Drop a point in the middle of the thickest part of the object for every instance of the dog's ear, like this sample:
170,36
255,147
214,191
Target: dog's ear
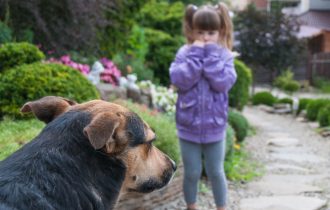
100,131
48,108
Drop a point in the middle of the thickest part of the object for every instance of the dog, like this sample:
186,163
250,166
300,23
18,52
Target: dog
86,156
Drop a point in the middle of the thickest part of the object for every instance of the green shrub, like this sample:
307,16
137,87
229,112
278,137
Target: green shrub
239,123
324,115
161,15
230,139
239,94
263,98
33,81
286,82
162,50
285,101
15,54
163,126
314,107
303,103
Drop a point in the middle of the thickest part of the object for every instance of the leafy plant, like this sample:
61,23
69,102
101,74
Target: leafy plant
268,39
239,166
33,81
323,116
239,94
15,54
286,82
314,107
239,124
263,98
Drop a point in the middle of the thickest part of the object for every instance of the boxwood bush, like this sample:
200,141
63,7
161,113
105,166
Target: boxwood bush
324,115
230,139
15,54
239,94
163,126
314,107
263,97
33,81
303,103
239,123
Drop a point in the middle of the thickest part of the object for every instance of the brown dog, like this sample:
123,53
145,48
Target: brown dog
83,159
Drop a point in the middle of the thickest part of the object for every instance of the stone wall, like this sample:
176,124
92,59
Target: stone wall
135,201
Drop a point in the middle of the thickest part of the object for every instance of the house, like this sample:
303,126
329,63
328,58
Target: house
314,17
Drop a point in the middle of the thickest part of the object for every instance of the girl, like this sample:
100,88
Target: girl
203,71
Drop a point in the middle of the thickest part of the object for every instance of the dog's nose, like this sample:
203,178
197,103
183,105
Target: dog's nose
173,165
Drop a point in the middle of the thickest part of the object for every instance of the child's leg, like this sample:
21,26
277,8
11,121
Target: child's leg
191,157
214,155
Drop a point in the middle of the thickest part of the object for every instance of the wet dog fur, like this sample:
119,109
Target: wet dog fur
85,157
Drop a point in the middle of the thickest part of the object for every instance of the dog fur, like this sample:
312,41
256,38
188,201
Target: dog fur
85,157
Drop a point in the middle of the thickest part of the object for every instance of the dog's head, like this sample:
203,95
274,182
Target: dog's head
118,132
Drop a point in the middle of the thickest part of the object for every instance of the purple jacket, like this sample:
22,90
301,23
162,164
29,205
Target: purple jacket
203,77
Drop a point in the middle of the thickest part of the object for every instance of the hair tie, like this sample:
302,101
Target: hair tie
194,7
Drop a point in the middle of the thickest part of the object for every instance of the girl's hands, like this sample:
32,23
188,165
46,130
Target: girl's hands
199,43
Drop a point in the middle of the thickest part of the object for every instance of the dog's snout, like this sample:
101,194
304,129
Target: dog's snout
173,165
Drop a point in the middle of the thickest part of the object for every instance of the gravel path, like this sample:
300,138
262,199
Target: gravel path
310,157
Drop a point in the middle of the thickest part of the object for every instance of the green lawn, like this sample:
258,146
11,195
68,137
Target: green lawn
14,134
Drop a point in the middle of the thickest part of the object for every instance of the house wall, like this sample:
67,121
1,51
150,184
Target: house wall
326,46
319,4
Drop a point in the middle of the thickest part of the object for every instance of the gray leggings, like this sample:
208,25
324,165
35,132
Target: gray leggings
214,154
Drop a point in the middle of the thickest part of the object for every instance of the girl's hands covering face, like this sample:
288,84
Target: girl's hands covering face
206,37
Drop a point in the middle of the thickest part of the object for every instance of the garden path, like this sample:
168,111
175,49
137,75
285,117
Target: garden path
296,160
296,172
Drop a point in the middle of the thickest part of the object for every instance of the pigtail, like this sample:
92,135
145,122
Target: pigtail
226,30
188,22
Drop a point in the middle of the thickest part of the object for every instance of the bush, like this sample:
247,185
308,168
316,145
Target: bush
285,101
324,115
314,107
239,123
303,103
263,98
163,126
286,82
230,139
15,54
32,81
239,94
163,16
162,50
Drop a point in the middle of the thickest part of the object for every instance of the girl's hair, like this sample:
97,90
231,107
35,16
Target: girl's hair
209,17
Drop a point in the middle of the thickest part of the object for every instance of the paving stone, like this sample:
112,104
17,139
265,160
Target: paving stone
302,179
299,158
289,149
287,167
278,134
283,141
283,188
282,203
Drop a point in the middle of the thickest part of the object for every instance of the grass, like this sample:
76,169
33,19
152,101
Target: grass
239,166
14,134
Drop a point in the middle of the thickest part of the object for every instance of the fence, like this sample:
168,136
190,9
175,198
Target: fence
319,66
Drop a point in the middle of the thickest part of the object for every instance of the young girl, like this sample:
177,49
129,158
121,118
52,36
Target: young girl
203,71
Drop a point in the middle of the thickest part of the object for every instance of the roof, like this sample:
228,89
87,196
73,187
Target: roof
308,32
319,19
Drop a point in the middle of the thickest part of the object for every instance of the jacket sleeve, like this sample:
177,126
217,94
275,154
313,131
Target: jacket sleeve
219,68
186,69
